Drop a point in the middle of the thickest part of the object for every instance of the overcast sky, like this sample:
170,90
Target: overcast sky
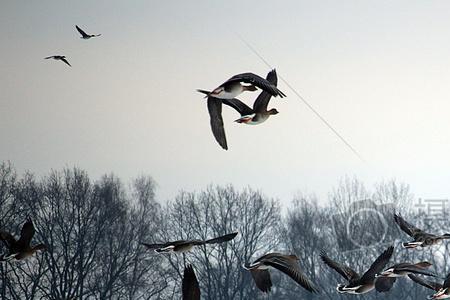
379,71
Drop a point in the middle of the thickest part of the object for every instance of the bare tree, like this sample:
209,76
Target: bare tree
215,212
7,219
94,231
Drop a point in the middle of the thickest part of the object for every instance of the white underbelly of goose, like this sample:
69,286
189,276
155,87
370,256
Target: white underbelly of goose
248,119
221,93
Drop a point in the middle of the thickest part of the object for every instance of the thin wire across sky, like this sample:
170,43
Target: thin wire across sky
349,146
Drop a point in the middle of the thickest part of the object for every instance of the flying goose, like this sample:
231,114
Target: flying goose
259,112
84,35
58,57
358,284
253,116
234,87
21,248
386,279
190,287
287,264
421,238
184,246
442,290
403,269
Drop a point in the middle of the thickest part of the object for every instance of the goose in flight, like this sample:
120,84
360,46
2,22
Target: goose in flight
358,284
21,248
233,87
84,35
287,264
249,116
420,237
386,279
59,57
184,246
259,112
190,288
442,290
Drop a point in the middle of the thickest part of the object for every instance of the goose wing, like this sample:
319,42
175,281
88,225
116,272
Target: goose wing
221,239
406,227
84,34
65,60
345,271
377,266
238,105
447,282
190,287
426,283
216,121
27,233
262,279
256,81
415,269
289,266
263,99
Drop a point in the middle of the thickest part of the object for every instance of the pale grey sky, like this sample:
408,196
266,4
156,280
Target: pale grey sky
379,71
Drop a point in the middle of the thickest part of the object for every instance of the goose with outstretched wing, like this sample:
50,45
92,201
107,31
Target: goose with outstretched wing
20,248
234,86
288,264
386,279
84,35
442,290
358,284
420,237
181,246
59,57
259,113
250,116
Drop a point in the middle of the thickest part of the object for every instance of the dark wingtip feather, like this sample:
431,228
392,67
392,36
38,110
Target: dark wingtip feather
144,244
323,254
232,235
203,92
388,252
398,217
272,77
190,287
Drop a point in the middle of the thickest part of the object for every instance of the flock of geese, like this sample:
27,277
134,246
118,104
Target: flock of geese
225,94
84,36
376,277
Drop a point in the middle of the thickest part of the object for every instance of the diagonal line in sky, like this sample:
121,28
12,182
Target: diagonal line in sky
304,101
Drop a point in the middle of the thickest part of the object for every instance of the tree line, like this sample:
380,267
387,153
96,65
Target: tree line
93,230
